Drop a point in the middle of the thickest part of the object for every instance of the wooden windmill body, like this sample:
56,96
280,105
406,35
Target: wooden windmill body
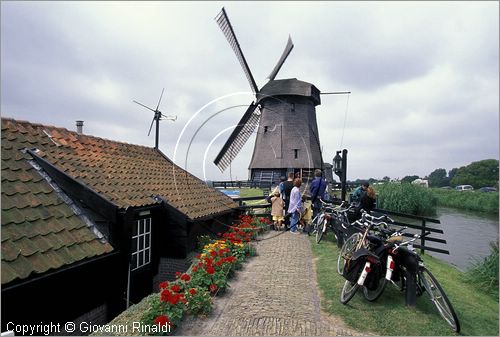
284,114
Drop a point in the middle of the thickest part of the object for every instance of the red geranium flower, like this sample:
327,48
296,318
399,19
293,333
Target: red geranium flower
213,288
192,291
185,277
163,285
175,288
194,269
178,273
165,295
213,253
162,320
210,270
174,299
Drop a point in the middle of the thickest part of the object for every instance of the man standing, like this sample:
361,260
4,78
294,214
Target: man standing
317,189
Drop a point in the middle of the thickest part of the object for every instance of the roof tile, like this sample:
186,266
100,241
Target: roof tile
37,226
10,251
8,274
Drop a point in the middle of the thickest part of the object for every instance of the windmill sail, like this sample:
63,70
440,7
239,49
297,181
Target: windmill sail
238,138
227,29
286,52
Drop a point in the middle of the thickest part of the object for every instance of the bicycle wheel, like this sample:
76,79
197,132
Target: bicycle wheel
348,291
346,251
314,224
373,295
439,298
321,229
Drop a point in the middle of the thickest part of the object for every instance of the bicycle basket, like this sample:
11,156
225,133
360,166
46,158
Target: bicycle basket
373,277
352,269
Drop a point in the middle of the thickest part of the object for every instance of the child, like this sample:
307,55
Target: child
277,210
306,216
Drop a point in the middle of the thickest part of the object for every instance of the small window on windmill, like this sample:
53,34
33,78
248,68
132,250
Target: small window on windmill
296,153
293,107
265,129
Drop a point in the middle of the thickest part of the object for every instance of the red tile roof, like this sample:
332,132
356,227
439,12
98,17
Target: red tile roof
125,174
40,232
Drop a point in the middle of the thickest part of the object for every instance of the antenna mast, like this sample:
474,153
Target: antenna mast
157,116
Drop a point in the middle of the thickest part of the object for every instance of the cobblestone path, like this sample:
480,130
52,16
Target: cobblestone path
275,293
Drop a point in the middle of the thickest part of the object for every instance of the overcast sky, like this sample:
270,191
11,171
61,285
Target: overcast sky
424,76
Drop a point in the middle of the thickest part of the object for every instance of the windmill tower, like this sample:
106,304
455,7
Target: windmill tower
284,112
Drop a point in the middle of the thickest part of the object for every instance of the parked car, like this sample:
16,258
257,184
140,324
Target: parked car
487,189
464,188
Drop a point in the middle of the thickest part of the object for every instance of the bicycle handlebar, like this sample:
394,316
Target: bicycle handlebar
415,237
372,218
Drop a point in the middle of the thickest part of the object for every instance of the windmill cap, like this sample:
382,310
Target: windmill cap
289,87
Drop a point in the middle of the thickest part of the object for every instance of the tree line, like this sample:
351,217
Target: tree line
478,174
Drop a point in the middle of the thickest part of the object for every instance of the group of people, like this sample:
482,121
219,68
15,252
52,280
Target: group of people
288,203
289,207
364,197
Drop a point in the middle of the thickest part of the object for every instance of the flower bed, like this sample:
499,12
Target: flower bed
193,292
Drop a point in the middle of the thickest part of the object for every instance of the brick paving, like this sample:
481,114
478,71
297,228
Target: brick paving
274,294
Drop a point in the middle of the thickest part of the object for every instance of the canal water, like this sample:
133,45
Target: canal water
467,234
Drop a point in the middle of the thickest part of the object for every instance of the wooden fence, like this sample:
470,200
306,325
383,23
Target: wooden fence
423,227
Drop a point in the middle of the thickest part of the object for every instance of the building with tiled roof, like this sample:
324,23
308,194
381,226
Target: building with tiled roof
94,212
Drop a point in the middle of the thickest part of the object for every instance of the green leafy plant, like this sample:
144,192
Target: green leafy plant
406,198
484,274
199,301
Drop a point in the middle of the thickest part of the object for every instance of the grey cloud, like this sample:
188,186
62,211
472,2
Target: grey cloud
414,69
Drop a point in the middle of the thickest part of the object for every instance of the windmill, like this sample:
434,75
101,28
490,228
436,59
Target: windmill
157,117
287,139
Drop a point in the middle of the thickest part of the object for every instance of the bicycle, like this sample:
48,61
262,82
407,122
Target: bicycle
349,245
393,261
358,264
325,215
416,283
318,220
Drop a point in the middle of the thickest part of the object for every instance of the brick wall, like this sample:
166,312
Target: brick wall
167,269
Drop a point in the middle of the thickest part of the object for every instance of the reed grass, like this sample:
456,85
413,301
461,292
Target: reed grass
484,274
406,198
469,200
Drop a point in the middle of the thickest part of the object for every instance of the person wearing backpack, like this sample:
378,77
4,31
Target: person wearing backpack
317,189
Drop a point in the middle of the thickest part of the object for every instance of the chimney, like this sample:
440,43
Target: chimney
79,127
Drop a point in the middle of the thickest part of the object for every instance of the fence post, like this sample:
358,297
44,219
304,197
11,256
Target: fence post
422,238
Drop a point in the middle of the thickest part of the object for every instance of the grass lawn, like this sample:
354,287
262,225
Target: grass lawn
476,311
251,192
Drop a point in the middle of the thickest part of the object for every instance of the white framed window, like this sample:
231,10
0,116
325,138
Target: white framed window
141,243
